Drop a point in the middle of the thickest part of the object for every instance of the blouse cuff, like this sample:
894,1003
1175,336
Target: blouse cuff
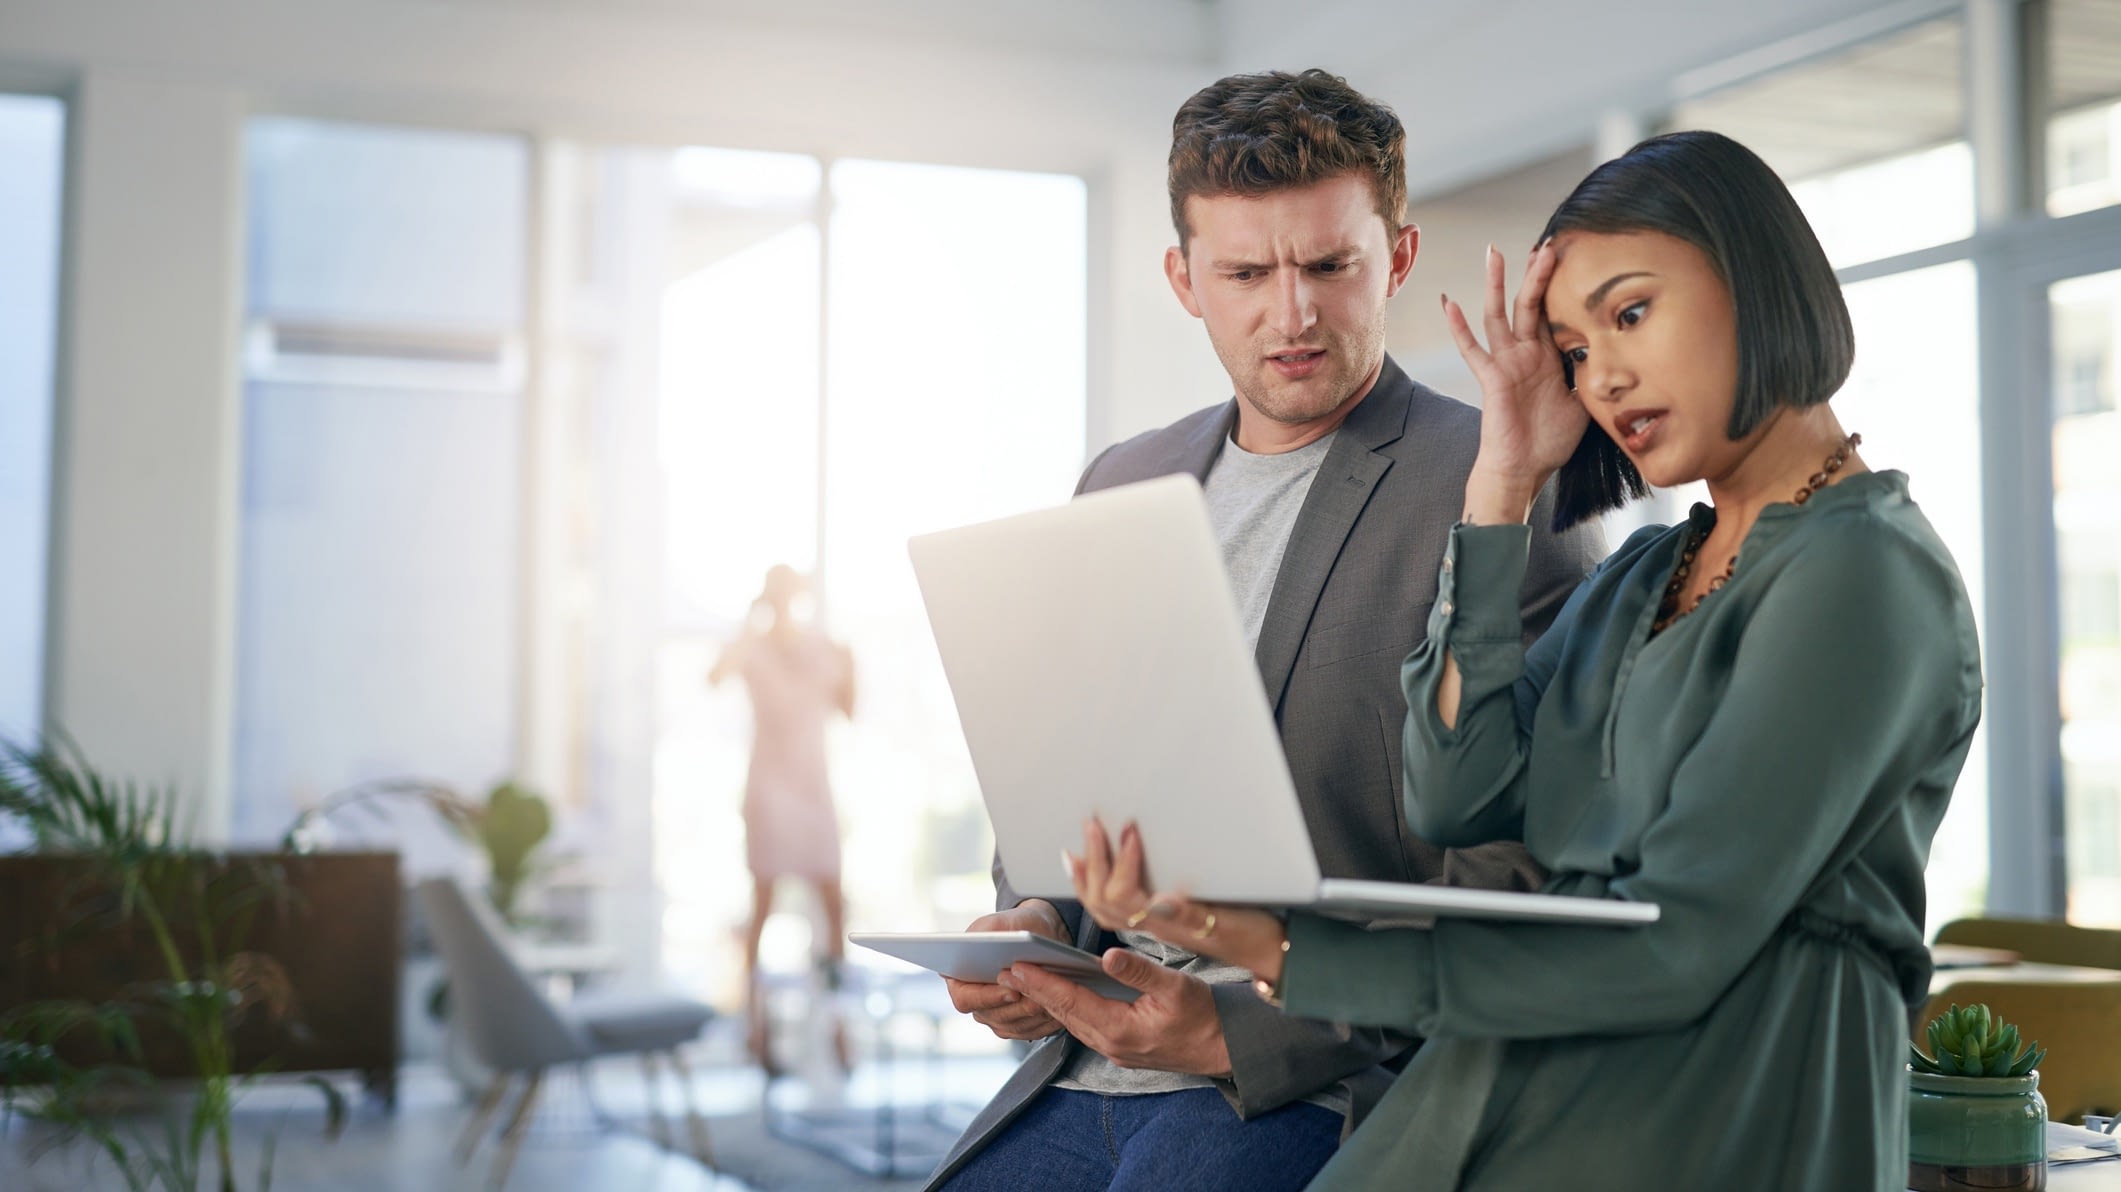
1478,590
1340,971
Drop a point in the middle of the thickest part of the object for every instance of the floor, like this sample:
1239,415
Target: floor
567,1148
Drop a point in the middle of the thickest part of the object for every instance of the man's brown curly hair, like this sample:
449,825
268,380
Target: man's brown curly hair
1252,134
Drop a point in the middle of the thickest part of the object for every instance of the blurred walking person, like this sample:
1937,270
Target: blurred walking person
797,678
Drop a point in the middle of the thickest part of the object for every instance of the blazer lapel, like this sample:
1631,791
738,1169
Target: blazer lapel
1345,480
1198,453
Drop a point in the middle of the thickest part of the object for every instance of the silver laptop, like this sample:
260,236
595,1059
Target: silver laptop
1099,668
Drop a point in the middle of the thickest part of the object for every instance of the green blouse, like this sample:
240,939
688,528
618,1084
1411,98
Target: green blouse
1769,770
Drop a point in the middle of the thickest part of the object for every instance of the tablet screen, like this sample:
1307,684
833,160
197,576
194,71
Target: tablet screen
982,955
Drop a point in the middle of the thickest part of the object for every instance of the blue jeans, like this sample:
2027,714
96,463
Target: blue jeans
1161,1142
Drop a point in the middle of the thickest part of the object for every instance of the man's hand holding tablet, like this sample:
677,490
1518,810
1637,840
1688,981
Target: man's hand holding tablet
1004,1011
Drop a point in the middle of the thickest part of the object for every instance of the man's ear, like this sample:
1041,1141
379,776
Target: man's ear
1405,246
1181,279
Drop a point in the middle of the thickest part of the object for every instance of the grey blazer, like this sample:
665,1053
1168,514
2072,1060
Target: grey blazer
1350,603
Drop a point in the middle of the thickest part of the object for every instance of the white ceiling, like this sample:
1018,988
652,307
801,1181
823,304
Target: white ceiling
1484,86
1173,31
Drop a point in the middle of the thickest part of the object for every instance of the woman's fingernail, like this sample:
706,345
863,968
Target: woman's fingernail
1162,910
1068,864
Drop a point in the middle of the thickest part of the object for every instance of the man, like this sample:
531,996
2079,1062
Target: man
1333,482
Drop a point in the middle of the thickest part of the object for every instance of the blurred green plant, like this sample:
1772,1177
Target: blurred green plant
515,822
142,873
508,826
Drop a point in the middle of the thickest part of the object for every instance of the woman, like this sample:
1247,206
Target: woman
797,678
1753,719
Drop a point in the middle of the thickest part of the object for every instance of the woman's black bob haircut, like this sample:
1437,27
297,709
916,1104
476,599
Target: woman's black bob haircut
1795,343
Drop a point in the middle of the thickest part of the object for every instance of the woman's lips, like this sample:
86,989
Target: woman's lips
1638,432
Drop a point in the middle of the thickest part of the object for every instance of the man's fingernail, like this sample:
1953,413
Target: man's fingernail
1007,980
1068,864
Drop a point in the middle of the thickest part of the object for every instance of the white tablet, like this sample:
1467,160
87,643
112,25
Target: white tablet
982,955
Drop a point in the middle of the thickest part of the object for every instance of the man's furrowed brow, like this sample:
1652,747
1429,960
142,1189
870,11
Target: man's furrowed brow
1345,252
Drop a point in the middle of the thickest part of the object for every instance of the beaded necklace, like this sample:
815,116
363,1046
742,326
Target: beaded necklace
1669,611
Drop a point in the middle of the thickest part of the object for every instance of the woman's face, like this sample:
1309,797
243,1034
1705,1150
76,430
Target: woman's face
1651,333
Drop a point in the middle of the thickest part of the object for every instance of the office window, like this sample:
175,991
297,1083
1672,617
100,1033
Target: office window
955,394
1913,397
735,307
1899,179
2086,322
768,383
2083,105
383,373
32,134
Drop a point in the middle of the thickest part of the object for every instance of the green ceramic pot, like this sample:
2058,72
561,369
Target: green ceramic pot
1976,1132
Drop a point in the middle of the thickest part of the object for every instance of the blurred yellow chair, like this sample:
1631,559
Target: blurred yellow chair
2040,941
2079,1024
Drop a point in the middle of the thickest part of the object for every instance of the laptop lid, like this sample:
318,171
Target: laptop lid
1099,668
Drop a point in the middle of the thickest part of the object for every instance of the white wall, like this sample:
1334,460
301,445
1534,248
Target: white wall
143,549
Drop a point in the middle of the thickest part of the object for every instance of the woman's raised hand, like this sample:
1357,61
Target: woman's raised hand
1530,421
1110,883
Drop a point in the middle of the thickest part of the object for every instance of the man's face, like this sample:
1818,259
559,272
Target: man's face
1292,286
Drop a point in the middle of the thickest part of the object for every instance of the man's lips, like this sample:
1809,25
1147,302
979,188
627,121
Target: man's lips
1298,363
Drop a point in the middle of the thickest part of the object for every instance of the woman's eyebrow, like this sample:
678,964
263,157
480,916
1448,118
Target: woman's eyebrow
1598,295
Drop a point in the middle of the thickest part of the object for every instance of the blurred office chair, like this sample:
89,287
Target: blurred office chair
2078,1023
513,1028
2041,941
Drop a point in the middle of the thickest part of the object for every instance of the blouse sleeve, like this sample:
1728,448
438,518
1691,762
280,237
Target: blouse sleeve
1857,679
1465,784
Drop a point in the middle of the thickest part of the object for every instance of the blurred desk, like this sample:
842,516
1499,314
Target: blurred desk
574,963
1952,956
1942,980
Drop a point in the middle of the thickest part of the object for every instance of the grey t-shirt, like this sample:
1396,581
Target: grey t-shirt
1253,501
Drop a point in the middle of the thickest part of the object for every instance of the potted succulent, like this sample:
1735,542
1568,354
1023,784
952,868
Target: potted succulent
1975,1115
